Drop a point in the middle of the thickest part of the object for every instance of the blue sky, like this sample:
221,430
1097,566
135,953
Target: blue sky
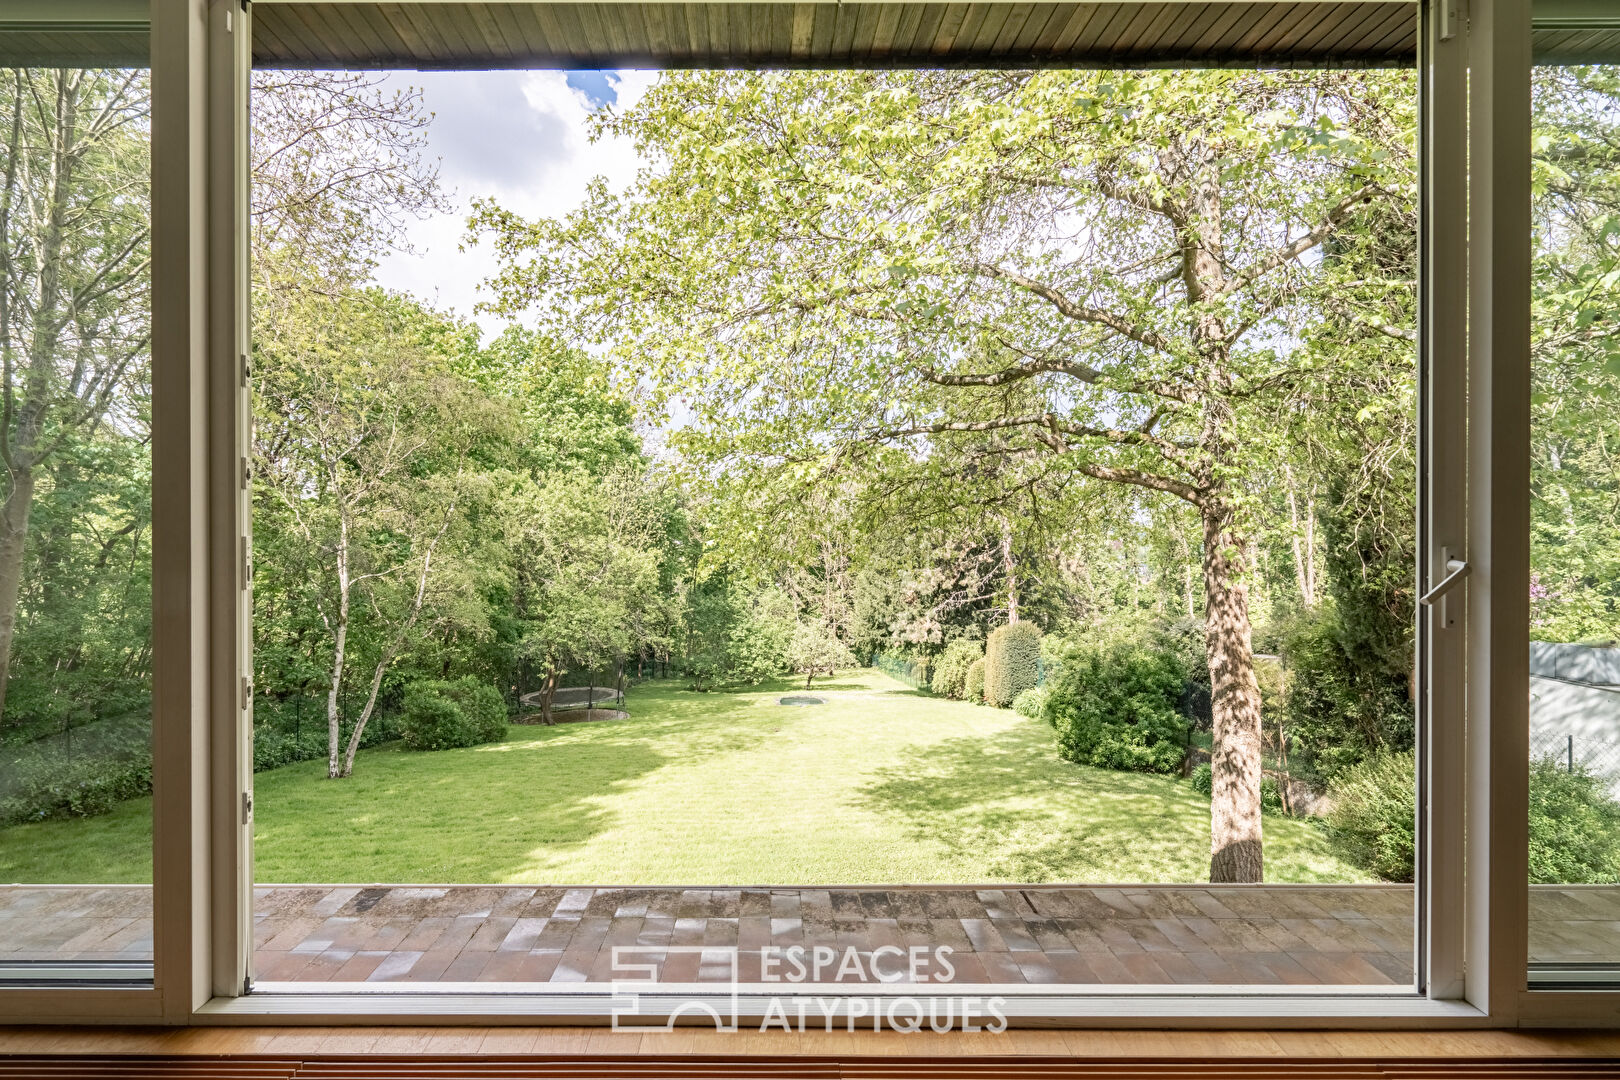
600,88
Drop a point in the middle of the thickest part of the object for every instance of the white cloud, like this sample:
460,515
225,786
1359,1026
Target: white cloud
518,137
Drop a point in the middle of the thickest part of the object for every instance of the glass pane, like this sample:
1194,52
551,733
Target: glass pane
1575,522
75,526
637,578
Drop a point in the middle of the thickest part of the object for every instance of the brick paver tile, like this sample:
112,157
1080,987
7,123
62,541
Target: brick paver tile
490,933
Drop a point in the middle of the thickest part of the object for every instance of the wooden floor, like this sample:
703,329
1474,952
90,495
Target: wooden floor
563,1052
1162,935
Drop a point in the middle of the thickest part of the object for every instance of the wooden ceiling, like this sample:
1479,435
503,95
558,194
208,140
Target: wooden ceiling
295,33
819,33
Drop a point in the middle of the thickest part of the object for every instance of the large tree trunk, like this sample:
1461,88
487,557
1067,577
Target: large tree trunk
1235,839
13,537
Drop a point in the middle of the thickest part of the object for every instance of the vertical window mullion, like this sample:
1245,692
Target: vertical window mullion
1442,496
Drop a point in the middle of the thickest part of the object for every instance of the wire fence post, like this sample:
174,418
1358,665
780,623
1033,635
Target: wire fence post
1569,751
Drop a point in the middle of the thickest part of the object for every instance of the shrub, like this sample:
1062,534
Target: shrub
1574,821
1030,702
950,673
293,729
1012,662
1271,800
1203,779
483,706
1574,826
442,715
43,786
1117,709
1373,819
1340,709
973,683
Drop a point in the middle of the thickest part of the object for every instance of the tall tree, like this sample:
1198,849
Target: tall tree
1104,268
364,439
1575,436
73,279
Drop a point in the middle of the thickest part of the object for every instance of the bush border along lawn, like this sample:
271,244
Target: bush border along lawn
881,785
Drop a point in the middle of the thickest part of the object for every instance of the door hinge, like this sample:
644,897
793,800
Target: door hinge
247,807
1453,18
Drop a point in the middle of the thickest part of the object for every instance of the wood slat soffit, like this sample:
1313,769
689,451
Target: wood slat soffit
300,33
783,33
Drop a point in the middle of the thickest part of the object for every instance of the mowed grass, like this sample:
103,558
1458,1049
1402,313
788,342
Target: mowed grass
881,785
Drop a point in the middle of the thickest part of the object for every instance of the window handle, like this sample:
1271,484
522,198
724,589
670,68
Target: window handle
1456,570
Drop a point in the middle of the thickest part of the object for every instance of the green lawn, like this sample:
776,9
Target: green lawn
881,785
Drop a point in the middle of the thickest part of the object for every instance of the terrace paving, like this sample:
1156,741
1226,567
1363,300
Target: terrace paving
1297,935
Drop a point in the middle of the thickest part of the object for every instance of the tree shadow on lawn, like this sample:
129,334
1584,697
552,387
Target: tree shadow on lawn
771,687
1046,820
478,815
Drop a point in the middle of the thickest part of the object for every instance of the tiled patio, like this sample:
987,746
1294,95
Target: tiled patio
997,935
1128,934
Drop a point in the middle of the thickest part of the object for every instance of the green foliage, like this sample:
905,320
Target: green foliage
1574,826
1012,662
815,649
1116,708
439,715
911,670
1373,817
762,641
106,764
1575,369
1341,705
1574,821
973,683
1030,703
1203,779
951,669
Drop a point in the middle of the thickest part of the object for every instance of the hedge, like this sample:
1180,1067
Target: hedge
1012,662
950,673
973,684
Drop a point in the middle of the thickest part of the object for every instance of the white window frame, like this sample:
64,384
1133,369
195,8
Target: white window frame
1472,900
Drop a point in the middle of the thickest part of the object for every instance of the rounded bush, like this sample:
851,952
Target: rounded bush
482,705
1012,662
1030,702
441,715
1119,709
950,673
973,683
